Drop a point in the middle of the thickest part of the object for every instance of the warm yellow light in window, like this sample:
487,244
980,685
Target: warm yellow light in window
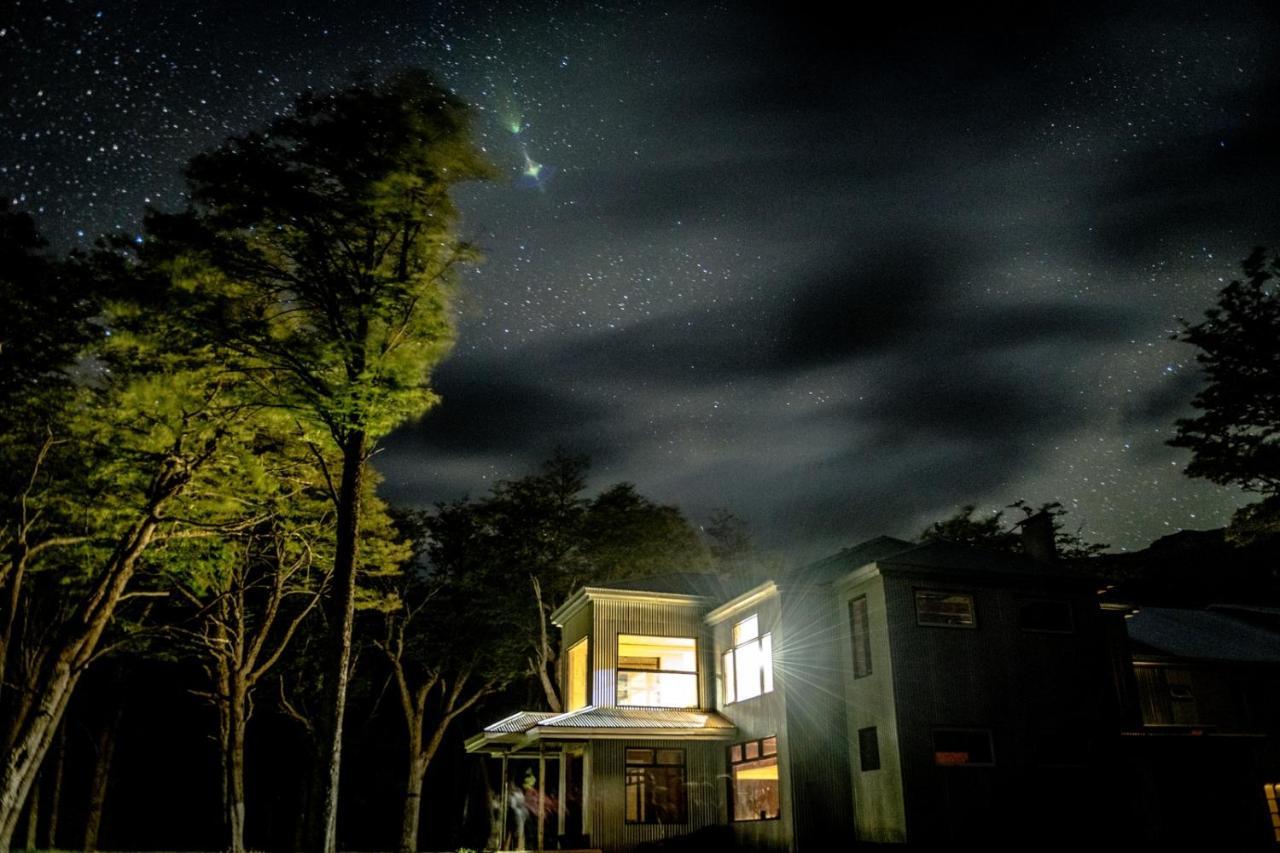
576,669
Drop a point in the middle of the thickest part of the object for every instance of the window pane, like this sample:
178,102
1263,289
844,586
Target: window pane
769,746
639,756
766,661
944,608
670,654
861,637
748,670
869,749
730,694
752,750
747,629
576,667
656,793
658,689
755,789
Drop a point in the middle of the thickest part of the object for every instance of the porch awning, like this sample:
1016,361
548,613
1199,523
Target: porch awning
521,730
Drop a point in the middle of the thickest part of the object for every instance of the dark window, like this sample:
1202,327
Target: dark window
1053,617
753,779
943,608
861,637
655,786
962,747
869,748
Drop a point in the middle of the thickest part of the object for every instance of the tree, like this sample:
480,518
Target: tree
324,251
536,539
1235,438
965,528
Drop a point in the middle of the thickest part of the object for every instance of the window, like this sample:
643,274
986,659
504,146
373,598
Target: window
869,749
659,672
861,637
753,779
944,609
576,671
962,748
655,786
1049,617
748,666
1272,793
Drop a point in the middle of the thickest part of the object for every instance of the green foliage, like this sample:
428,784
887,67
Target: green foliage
323,251
1235,438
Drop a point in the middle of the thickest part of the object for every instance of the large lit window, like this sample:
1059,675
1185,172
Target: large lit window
657,672
748,666
944,609
753,768
576,676
655,786
1272,793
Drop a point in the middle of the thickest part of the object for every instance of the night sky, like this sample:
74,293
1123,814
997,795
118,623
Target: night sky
839,278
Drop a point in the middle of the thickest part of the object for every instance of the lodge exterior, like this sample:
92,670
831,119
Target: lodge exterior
893,693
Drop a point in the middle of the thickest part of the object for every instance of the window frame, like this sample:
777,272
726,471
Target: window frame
628,765
860,627
586,675
730,763
971,625
729,661
865,734
974,730
618,667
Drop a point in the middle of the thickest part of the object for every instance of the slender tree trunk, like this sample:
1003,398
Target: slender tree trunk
62,668
412,799
233,769
341,620
33,814
55,792
106,747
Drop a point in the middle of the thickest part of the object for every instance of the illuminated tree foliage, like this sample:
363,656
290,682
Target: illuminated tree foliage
534,540
1235,437
323,253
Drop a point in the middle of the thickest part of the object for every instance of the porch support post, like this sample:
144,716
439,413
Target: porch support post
542,794
562,790
505,796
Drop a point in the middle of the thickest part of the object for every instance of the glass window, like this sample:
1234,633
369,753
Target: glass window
576,668
869,748
861,637
655,786
946,609
748,666
962,747
659,672
753,768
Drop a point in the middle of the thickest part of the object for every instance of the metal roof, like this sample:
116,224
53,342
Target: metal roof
521,721
592,717
1214,634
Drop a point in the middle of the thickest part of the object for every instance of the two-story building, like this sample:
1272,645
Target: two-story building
892,692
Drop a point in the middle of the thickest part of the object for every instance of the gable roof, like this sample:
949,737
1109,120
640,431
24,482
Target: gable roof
1221,634
842,562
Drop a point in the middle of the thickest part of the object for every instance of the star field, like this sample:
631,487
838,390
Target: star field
839,280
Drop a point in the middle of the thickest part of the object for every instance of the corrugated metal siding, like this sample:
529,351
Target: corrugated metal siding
760,717
704,782
611,618
878,798
995,676
809,668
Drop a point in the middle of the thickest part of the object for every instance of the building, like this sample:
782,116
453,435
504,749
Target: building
891,693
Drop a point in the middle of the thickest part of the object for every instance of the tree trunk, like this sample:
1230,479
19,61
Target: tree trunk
63,667
341,620
33,815
55,792
412,800
106,747
233,730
